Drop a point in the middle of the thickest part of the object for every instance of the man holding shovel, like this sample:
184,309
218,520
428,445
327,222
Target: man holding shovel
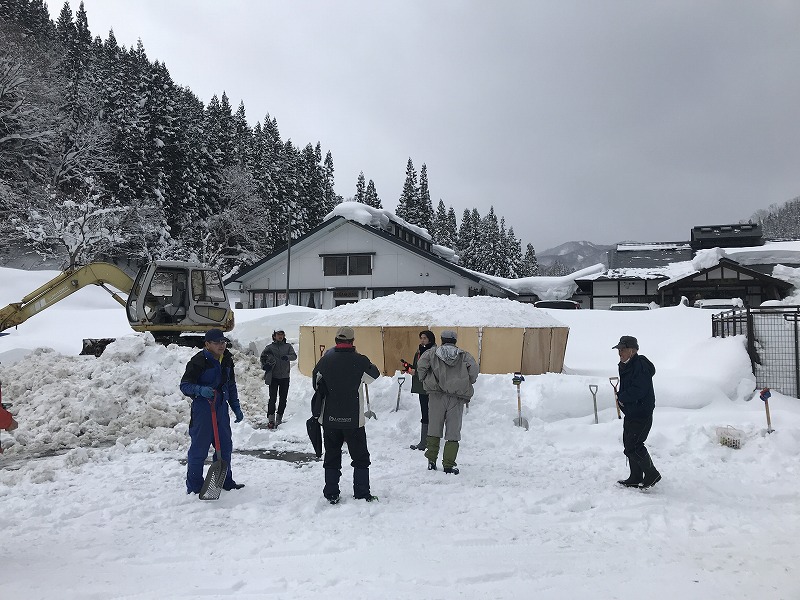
210,382
637,400
448,374
340,374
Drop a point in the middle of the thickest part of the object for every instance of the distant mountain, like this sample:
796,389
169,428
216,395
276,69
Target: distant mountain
574,255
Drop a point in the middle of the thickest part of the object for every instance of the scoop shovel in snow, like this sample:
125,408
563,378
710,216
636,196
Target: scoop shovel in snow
218,471
368,413
520,421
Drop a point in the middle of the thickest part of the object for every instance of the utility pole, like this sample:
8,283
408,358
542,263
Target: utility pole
288,248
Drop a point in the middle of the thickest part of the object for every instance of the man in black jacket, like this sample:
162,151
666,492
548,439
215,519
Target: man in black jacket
340,373
637,400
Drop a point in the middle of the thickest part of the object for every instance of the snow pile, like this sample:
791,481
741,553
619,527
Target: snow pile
427,309
546,288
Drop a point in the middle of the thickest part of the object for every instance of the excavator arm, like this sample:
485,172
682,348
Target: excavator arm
58,288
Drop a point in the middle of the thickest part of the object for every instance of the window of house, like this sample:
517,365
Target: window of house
360,265
334,265
353,264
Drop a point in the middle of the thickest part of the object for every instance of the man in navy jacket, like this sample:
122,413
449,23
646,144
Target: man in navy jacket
340,374
209,378
637,400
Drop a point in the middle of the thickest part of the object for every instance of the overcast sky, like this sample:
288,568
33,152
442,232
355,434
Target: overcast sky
578,120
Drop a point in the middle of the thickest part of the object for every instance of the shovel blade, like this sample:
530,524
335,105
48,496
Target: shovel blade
212,486
521,422
371,415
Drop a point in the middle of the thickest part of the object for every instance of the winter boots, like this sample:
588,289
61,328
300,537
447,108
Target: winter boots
361,484
432,451
635,477
448,456
278,419
423,439
271,423
644,474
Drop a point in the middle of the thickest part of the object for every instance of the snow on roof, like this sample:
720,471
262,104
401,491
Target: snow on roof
637,247
546,288
373,217
428,309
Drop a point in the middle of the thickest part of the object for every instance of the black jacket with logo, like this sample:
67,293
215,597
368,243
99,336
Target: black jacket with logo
637,399
343,371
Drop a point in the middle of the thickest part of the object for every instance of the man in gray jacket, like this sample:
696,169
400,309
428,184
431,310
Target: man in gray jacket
276,361
447,374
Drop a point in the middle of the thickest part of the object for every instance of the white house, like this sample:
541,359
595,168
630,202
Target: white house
362,252
358,252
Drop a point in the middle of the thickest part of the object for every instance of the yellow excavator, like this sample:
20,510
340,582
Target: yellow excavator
167,298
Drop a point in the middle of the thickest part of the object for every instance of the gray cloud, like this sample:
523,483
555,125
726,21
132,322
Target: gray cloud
603,121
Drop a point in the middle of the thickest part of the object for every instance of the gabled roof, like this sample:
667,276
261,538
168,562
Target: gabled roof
338,221
728,264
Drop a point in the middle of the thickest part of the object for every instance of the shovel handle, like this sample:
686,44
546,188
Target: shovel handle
614,381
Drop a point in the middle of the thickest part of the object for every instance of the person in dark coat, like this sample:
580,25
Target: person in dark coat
276,361
340,374
637,400
426,341
210,377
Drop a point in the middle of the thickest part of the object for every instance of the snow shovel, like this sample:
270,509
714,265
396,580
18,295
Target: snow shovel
593,390
520,421
614,381
218,471
369,414
400,380
765,396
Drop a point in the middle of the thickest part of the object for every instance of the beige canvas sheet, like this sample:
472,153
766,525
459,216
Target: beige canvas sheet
536,351
558,348
399,342
501,350
467,338
308,351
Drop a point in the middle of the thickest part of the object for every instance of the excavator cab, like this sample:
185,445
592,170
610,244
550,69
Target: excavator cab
170,297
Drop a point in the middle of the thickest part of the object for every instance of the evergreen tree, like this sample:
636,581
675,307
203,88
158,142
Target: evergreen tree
450,232
489,251
408,203
361,189
371,198
439,224
424,213
513,255
470,239
530,266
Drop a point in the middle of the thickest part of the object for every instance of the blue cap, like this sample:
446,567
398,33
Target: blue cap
215,335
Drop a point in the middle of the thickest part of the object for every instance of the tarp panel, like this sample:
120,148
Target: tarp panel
467,338
399,342
308,352
558,348
501,349
536,351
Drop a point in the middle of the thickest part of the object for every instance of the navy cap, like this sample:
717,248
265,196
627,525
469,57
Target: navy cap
215,335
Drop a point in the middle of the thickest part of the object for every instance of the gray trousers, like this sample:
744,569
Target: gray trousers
445,413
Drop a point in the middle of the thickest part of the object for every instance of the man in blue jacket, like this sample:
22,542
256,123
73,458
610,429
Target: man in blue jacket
210,379
637,400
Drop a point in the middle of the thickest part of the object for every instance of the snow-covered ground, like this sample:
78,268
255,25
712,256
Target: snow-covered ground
92,489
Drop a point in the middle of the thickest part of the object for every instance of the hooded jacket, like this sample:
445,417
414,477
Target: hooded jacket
636,396
272,363
448,370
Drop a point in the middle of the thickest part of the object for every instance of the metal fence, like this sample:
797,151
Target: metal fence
773,343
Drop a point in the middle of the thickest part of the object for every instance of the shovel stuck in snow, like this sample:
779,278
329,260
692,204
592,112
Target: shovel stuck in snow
520,421
368,413
218,471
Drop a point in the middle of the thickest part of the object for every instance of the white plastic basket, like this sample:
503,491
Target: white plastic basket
730,437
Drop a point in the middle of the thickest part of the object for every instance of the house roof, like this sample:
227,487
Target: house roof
728,264
339,220
645,256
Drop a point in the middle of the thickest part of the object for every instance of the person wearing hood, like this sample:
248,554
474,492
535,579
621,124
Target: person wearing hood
637,399
426,341
276,361
447,374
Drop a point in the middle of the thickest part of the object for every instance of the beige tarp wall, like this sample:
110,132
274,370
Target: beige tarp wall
498,350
